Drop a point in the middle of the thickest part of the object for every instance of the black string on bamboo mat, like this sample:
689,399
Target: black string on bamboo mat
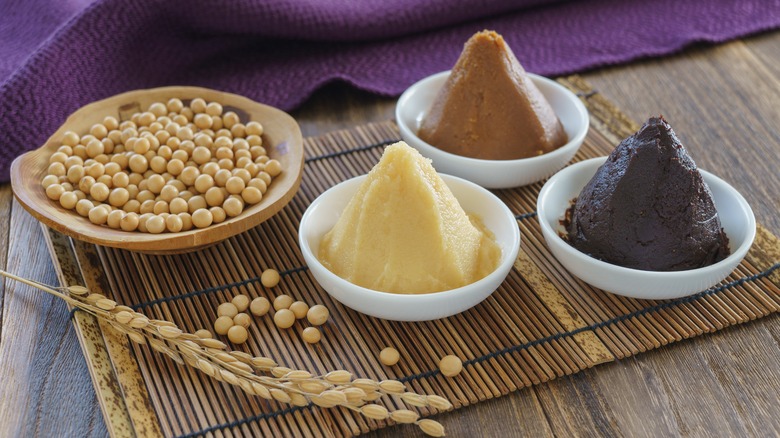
516,348
240,283
213,289
351,150
73,312
587,94
242,421
525,215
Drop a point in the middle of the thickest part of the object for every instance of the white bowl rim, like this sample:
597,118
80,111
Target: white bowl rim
578,138
737,254
507,258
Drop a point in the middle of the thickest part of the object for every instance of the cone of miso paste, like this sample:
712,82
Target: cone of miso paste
648,208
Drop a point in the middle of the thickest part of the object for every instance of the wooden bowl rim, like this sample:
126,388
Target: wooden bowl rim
278,195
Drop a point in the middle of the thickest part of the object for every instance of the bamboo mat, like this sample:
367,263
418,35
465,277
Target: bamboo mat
540,324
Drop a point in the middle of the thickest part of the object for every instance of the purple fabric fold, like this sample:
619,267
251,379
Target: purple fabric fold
58,55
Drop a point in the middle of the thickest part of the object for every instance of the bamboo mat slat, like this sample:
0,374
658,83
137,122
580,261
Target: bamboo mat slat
541,323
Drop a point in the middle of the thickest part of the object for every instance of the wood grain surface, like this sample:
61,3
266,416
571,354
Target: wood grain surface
721,100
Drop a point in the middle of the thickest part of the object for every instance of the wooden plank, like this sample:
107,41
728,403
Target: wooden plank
43,373
637,89
6,201
767,51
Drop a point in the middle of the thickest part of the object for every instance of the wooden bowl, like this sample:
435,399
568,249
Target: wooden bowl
281,138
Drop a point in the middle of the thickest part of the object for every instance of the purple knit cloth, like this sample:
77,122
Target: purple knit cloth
58,55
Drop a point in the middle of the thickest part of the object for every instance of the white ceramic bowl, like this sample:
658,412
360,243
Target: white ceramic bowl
416,101
735,215
323,213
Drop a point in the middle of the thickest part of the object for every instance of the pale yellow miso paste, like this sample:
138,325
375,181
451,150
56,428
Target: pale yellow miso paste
404,231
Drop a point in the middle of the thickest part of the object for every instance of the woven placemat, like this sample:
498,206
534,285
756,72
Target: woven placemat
540,324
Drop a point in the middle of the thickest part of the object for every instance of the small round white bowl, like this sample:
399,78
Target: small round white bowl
323,213
415,102
736,217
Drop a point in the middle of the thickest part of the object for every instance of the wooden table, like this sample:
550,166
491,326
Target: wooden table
723,102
